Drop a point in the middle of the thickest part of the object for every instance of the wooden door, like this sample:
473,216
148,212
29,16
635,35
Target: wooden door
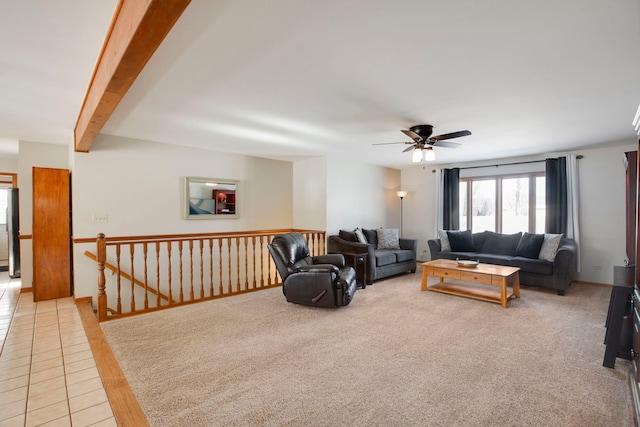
51,234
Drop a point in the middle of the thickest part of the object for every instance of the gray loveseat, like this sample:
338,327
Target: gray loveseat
517,250
381,263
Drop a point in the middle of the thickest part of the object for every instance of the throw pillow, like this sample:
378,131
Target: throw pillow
444,241
550,247
388,238
349,236
529,245
372,237
461,241
360,236
501,244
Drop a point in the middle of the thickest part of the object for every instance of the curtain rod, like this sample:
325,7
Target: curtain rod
579,156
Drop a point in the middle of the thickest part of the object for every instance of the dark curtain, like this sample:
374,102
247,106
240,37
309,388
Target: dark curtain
450,199
556,197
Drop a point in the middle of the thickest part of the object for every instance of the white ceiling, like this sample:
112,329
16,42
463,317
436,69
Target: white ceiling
288,79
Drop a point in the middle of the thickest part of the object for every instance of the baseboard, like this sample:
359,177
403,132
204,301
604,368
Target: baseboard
25,290
582,282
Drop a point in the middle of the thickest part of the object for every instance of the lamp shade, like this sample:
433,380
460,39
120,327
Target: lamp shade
401,194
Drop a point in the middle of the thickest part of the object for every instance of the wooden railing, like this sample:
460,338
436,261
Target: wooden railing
156,272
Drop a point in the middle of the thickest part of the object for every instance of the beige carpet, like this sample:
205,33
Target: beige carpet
395,357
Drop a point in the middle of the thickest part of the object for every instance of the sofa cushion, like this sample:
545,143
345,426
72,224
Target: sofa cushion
385,257
529,245
550,247
458,255
372,237
461,241
532,265
349,236
501,244
493,258
444,241
388,238
360,236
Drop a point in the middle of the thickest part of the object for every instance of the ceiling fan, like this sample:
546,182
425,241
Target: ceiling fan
423,142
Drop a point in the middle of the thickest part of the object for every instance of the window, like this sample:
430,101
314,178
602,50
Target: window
505,204
483,205
515,205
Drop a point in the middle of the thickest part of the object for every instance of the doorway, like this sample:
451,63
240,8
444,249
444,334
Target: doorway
9,225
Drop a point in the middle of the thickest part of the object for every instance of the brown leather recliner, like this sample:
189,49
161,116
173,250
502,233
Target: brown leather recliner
317,281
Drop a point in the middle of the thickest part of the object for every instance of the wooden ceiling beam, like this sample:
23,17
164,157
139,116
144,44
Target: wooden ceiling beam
137,29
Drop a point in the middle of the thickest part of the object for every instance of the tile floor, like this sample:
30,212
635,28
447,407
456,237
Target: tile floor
48,376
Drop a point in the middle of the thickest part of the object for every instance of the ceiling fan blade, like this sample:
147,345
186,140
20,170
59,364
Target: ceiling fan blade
412,135
409,148
451,135
390,143
446,144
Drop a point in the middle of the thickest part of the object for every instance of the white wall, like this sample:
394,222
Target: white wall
602,203
418,206
9,165
138,185
361,195
310,194
33,154
603,215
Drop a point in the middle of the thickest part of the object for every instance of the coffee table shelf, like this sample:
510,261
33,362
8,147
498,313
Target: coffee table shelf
499,276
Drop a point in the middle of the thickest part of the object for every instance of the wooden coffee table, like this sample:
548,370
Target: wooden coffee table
487,274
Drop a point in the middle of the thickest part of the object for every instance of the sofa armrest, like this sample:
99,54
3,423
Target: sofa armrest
410,245
337,245
565,264
435,247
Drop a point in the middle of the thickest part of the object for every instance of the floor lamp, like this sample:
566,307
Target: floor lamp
402,195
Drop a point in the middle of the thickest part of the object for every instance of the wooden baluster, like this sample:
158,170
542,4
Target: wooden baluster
269,238
229,266
253,257
220,266
101,252
146,283
169,272
118,281
238,287
132,251
261,261
181,275
201,242
211,267
246,264
158,303
191,293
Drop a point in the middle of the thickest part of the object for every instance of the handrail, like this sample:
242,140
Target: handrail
184,268
125,275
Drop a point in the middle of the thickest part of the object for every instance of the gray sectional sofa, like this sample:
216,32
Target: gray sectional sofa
381,262
555,271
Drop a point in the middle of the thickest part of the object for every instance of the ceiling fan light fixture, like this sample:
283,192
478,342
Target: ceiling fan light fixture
417,156
429,155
